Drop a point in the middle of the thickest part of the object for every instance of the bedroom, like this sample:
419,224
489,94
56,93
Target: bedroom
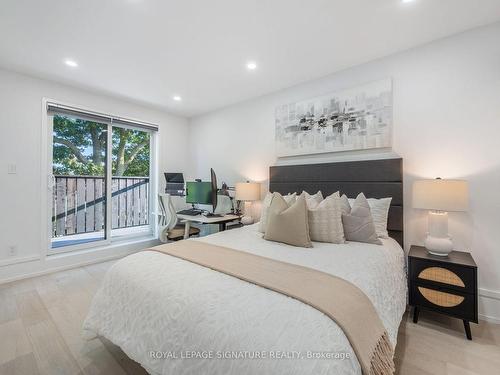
204,86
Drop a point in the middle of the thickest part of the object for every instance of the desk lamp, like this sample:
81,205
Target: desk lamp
247,192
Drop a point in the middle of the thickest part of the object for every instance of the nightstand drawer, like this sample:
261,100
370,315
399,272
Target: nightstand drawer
447,301
451,276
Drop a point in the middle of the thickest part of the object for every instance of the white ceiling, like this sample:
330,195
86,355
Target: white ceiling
151,50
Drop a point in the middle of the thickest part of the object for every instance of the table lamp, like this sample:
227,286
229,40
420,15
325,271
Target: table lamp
247,192
439,197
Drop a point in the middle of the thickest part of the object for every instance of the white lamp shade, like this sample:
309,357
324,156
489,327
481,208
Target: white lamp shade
247,191
441,195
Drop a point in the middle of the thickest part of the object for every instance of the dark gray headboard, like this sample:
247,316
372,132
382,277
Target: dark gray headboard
375,178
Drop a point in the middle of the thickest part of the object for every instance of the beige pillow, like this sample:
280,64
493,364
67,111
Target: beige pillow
290,198
325,220
358,225
288,223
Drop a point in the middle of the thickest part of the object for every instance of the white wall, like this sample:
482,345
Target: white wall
20,144
446,123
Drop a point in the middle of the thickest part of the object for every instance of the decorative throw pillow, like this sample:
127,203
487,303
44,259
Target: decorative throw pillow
290,198
287,223
380,213
325,220
345,205
358,225
312,200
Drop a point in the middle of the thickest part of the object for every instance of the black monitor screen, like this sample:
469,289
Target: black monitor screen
213,180
174,177
199,192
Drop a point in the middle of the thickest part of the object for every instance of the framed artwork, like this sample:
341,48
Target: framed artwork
354,119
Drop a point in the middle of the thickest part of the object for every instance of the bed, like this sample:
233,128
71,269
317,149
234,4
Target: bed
176,317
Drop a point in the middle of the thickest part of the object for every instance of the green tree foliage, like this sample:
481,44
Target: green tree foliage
131,152
80,149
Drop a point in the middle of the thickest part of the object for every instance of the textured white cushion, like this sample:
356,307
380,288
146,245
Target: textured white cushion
290,199
325,220
312,200
380,212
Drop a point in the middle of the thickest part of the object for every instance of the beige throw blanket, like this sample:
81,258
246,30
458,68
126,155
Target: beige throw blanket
340,300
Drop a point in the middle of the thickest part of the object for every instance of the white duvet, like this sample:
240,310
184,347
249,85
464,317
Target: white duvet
191,317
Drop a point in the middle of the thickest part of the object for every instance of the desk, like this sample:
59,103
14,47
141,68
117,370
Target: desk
188,219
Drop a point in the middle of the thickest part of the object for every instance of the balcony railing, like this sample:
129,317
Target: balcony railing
79,204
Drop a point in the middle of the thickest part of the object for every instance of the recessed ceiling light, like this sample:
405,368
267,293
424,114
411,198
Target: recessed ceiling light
177,98
407,1
251,65
71,63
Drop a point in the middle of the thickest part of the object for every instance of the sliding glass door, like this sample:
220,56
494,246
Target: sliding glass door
79,157
130,182
100,181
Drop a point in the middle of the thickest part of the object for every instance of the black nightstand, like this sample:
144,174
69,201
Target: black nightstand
447,285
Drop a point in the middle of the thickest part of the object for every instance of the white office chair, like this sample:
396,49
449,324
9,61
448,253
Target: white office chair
224,205
168,229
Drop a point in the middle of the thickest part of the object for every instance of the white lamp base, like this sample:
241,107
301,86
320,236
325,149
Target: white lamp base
438,246
246,220
438,242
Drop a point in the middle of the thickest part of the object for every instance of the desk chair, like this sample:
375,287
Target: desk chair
168,228
224,205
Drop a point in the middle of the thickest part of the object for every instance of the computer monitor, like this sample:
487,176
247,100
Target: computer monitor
213,181
199,192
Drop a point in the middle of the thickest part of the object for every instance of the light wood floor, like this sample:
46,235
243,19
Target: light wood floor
41,319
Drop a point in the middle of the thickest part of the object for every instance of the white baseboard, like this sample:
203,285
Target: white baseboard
63,268
489,319
8,262
60,262
489,305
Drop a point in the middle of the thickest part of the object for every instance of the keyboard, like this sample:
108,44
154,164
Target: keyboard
190,212
209,214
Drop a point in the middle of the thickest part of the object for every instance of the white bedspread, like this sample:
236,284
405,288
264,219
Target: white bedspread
154,302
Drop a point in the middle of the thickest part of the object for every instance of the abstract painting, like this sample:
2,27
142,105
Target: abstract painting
355,119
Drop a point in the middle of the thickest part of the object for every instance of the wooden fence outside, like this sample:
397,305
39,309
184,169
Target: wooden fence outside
79,204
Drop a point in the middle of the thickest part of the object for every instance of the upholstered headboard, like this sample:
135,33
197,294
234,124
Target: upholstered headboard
375,178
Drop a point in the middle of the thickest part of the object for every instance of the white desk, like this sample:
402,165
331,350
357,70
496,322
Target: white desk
222,221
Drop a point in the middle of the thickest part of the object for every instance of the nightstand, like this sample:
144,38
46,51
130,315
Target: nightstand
447,285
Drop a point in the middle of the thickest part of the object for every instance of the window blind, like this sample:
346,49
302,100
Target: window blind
55,108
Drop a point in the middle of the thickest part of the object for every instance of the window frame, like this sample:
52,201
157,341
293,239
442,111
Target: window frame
46,188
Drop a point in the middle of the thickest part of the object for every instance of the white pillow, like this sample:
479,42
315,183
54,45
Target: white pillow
312,200
380,212
289,199
325,220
